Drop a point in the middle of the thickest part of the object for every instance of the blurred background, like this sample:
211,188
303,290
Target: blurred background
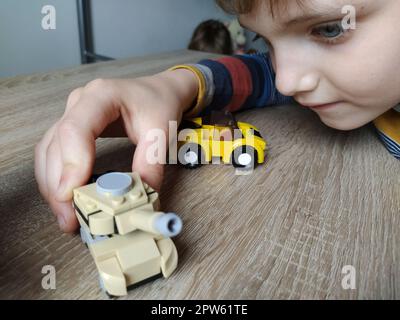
111,29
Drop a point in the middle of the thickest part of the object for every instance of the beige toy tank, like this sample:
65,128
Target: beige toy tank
127,236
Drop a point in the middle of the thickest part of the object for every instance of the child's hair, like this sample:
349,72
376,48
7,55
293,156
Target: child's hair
212,36
238,6
246,6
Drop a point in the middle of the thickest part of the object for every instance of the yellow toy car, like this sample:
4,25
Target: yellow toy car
220,135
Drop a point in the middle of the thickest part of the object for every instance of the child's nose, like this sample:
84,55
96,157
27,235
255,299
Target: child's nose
295,75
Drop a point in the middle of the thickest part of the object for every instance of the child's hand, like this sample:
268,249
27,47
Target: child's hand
65,156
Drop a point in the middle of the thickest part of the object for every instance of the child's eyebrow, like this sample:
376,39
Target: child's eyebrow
312,11
308,11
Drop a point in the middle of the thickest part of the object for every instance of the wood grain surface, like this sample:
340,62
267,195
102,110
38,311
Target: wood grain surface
323,200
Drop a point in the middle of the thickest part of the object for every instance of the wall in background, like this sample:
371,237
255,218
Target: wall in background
258,45
26,48
122,28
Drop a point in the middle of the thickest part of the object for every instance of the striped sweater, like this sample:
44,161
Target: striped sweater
242,82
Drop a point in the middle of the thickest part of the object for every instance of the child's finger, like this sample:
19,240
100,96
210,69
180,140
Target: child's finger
73,98
67,221
150,171
76,134
77,154
62,210
152,174
40,160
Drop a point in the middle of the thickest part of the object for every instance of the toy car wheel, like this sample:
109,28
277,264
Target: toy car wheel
191,155
244,157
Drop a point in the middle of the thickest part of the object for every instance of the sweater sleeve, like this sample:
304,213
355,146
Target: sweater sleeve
240,82
388,129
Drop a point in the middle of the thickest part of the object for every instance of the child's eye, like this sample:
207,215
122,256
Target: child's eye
329,32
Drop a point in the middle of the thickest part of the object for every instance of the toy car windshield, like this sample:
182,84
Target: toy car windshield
220,118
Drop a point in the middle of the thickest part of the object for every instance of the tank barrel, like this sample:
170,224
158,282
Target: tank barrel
169,224
166,224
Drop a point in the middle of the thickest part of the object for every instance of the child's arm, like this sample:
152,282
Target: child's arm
65,156
238,82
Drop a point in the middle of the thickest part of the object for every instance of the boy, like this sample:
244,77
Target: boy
349,77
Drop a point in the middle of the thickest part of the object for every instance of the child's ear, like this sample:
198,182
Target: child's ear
226,23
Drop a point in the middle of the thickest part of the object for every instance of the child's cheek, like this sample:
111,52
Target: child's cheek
373,60
370,75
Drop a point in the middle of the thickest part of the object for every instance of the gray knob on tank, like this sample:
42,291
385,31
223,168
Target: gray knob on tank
114,183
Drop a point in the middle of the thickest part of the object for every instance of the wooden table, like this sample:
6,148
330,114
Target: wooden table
324,199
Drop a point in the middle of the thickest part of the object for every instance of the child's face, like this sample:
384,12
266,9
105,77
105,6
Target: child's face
318,62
